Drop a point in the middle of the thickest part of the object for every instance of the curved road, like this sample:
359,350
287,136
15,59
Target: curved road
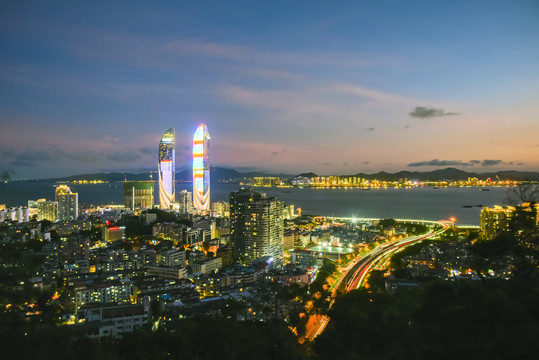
354,275
381,252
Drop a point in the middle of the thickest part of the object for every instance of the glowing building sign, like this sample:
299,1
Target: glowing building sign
201,170
166,168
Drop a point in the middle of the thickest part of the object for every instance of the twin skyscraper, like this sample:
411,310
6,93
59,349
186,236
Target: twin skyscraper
201,169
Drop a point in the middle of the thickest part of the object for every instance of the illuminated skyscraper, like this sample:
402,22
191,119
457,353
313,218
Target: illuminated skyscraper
256,226
201,170
166,168
68,203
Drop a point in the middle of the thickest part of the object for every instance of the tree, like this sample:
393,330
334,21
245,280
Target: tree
522,193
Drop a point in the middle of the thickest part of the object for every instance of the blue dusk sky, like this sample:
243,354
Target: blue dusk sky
334,87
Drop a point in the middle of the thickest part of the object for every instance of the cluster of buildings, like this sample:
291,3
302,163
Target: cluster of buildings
65,207
337,181
202,259
205,255
499,219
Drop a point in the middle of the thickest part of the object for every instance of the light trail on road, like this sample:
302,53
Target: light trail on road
361,265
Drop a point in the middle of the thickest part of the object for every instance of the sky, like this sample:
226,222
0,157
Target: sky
336,87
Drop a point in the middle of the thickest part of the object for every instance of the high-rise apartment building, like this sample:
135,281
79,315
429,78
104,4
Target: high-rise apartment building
256,226
46,210
68,203
166,164
138,194
201,170
498,219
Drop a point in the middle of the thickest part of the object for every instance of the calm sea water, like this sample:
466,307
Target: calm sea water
417,203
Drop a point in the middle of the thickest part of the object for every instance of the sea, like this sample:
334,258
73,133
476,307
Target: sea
425,203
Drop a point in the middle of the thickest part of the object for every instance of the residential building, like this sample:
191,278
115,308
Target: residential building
68,203
257,226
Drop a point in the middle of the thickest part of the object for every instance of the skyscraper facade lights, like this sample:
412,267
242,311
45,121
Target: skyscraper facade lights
166,169
201,170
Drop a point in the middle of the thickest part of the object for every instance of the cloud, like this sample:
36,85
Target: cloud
327,163
148,150
370,129
18,162
423,112
84,156
519,163
33,157
111,139
437,162
491,162
275,153
123,156
345,163
366,162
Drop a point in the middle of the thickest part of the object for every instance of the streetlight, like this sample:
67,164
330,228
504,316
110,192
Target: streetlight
453,222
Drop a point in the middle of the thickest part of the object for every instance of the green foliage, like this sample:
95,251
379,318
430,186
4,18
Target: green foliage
387,223
324,272
202,338
488,253
440,321
376,281
416,229
134,227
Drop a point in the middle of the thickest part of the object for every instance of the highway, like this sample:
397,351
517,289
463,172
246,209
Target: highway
353,276
366,263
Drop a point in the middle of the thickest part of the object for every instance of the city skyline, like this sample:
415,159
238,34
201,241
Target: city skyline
285,87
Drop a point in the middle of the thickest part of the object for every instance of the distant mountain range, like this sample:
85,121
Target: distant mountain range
219,174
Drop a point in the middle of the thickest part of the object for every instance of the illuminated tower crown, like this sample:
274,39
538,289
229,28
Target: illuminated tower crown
166,168
201,170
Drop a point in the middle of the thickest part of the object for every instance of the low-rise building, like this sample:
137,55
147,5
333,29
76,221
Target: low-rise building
113,233
106,320
167,272
118,291
207,266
